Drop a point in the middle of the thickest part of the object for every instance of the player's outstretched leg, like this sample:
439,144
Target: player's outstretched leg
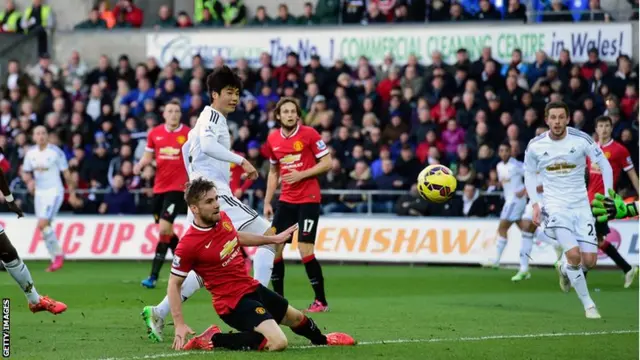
613,254
305,326
263,262
525,255
52,244
501,242
20,273
154,316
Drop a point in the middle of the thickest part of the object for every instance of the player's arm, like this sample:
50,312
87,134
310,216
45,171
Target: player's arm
521,172
531,176
595,154
175,299
181,265
322,166
272,181
8,197
211,147
249,239
63,165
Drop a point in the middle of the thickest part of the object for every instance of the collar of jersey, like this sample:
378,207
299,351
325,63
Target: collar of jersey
203,228
292,134
170,131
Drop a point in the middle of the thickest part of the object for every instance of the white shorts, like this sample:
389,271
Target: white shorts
579,222
242,216
513,210
47,203
528,212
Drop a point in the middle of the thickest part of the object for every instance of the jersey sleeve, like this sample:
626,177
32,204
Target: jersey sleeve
61,160
183,260
531,175
27,165
151,145
625,158
318,146
270,154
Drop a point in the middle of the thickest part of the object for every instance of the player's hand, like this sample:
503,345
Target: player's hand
292,177
180,337
238,193
284,236
15,208
250,172
268,211
537,214
612,207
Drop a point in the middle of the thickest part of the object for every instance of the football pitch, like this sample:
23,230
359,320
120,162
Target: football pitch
395,312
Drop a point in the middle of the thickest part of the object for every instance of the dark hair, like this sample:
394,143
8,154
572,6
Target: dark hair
221,78
196,189
285,100
174,102
604,118
506,143
556,105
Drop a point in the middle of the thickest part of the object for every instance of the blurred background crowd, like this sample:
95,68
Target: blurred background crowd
383,123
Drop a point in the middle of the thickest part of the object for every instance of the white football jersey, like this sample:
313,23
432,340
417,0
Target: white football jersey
46,166
211,123
562,166
511,175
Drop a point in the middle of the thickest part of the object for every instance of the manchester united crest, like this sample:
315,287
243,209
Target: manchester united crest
181,139
227,226
298,145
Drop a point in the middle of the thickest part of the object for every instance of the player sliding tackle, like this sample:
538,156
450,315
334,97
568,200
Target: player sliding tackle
559,156
207,155
211,248
14,265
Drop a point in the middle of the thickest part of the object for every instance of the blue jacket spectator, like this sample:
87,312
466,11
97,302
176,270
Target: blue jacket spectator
119,200
539,68
136,97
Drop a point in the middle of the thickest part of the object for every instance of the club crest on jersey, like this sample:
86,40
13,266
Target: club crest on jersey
321,145
227,226
181,139
607,154
228,248
298,145
176,261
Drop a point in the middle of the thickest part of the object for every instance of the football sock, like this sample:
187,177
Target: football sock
263,264
585,270
173,243
191,284
20,273
310,330
277,276
51,242
500,246
161,253
579,282
314,272
248,340
613,253
525,251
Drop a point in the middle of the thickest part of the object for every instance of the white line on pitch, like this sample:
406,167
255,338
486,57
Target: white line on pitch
406,341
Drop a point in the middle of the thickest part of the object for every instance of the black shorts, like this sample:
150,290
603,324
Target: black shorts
305,215
602,229
168,205
256,307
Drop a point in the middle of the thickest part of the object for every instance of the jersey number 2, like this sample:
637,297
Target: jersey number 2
590,229
307,225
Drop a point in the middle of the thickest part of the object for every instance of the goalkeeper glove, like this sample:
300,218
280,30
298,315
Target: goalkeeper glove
612,207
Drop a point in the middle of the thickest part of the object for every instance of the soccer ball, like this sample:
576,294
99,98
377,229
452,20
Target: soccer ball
436,183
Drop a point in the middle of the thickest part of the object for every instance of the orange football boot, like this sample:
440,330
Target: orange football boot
203,341
48,304
339,339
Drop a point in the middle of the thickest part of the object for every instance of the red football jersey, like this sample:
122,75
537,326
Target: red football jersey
299,151
215,255
619,159
171,174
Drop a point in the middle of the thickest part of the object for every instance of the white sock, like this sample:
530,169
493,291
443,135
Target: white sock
500,246
525,251
51,242
263,264
20,273
579,282
191,284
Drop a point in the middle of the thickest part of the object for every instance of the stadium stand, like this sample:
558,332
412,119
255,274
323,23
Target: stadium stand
384,121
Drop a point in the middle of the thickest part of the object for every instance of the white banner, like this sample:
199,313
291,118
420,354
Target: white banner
374,42
416,240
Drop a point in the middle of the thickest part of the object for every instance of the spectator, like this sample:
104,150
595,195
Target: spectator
488,11
588,68
328,11
516,11
308,17
373,15
390,181
261,18
135,98
452,137
473,205
407,165
595,13
37,16
457,13
94,22
629,103
106,14
165,18
133,15
352,11
119,200
516,62
14,78
10,18
411,204
558,12
401,13
284,17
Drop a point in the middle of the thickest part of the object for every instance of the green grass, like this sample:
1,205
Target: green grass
373,303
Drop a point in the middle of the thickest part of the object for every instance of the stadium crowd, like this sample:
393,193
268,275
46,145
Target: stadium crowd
384,123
